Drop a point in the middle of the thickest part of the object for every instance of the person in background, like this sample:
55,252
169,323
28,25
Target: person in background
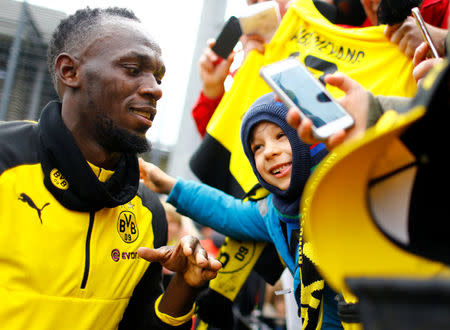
401,27
365,107
83,242
175,224
214,71
351,13
274,305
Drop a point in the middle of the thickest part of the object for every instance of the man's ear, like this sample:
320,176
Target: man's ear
66,68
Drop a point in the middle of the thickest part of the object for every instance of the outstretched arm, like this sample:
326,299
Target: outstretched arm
206,205
193,268
155,179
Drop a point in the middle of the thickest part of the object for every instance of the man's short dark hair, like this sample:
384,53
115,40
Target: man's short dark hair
75,29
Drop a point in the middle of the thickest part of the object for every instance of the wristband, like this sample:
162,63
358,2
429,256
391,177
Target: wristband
174,321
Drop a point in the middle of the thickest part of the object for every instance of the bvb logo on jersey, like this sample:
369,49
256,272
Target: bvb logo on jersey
127,226
58,180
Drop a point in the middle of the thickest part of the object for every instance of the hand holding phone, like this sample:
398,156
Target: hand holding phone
228,37
297,87
261,18
424,31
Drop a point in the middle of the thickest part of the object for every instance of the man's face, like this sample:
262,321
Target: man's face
273,154
120,70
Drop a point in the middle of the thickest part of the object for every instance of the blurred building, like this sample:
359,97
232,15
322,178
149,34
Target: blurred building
25,84
211,22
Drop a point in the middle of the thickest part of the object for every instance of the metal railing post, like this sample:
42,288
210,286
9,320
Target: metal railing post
12,63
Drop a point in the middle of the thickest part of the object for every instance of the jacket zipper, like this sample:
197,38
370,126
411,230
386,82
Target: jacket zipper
88,250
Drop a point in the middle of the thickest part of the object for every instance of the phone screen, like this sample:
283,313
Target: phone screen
307,95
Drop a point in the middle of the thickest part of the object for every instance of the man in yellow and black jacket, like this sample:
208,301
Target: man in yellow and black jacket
72,211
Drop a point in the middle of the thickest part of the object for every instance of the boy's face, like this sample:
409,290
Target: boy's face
273,154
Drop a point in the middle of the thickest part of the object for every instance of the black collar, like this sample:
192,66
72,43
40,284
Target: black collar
68,176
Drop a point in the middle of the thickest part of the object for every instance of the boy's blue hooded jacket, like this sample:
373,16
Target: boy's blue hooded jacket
274,219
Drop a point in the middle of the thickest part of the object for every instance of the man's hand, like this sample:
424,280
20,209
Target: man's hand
356,102
187,258
154,178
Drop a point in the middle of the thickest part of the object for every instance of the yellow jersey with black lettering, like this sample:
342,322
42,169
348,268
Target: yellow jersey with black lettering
364,54
65,264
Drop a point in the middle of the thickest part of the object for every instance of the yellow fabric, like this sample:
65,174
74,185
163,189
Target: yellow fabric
352,245
313,303
238,259
52,281
352,326
362,53
174,321
101,174
232,276
202,326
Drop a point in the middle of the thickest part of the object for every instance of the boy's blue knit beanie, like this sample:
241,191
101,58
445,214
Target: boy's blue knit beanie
265,108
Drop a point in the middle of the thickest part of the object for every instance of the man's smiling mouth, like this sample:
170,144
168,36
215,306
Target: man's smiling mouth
147,114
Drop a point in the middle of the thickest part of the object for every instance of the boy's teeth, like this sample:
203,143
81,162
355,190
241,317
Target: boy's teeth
278,170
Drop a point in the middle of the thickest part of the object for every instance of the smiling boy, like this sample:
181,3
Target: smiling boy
282,163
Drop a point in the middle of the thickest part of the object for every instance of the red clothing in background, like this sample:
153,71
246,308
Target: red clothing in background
203,110
434,12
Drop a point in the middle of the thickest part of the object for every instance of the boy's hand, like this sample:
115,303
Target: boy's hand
154,178
356,102
187,258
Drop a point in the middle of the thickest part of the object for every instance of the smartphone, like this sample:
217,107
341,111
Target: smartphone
228,37
424,31
297,87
